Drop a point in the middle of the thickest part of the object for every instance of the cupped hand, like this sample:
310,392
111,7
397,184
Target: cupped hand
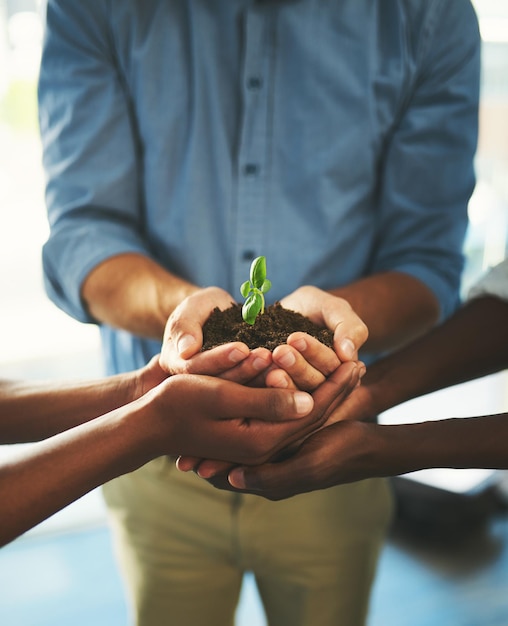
329,311
327,397
337,454
306,361
183,340
214,418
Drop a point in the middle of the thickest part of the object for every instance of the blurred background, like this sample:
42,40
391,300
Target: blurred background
63,571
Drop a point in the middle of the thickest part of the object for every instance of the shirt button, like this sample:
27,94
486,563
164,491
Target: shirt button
248,255
254,83
251,169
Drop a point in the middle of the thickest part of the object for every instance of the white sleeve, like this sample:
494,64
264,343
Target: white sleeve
493,283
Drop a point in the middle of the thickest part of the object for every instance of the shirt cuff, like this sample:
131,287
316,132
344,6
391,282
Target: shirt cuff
70,255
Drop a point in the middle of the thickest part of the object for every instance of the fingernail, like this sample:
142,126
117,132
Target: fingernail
362,372
287,360
180,467
235,356
280,381
303,403
236,478
300,345
185,342
259,364
204,472
347,348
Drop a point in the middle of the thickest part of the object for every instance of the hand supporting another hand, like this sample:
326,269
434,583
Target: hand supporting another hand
334,455
303,363
202,415
327,397
148,377
340,452
183,340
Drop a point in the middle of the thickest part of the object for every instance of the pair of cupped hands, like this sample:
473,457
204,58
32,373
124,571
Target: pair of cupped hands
319,378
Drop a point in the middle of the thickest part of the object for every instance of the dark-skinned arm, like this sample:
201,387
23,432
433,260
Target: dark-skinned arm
471,344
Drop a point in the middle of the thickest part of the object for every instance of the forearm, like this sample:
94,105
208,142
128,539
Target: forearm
49,475
471,344
134,293
33,411
395,307
475,442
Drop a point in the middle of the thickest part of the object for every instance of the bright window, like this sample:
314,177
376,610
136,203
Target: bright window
36,339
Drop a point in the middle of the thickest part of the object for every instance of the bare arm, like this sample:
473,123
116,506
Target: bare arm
456,443
352,450
395,307
46,476
31,411
471,344
133,292
223,420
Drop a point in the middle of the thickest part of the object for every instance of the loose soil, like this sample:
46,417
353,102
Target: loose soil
270,330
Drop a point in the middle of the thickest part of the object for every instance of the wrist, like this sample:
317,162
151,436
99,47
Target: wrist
153,418
404,448
141,429
383,388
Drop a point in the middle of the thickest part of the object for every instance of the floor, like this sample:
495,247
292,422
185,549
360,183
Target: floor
429,575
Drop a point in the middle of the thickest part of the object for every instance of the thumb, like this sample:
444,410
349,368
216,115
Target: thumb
188,342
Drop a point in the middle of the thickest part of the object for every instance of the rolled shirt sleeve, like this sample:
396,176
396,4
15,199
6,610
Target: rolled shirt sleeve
428,174
91,153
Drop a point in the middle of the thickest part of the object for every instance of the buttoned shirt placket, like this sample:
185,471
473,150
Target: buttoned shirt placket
253,156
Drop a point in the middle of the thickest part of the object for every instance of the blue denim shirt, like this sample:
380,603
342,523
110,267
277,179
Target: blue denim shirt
335,138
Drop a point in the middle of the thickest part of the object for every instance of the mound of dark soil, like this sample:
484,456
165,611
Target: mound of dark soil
271,329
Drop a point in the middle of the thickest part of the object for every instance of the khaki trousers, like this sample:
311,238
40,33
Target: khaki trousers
183,547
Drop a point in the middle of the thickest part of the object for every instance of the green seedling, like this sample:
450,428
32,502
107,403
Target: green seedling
254,290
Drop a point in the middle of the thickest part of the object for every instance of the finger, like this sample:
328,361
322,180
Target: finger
321,357
187,463
279,379
213,362
235,401
220,481
337,387
300,472
349,336
184,326
333,312
261,404
184,332
303,374
327,398
250,368
210,468
274,480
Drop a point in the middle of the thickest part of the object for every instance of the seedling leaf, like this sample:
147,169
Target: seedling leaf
258,272
245,289
266,286
254,289
252,308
